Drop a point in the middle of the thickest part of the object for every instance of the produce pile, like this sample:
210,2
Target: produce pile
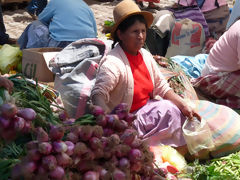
37,143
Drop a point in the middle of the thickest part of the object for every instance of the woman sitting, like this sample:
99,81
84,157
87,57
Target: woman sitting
60,23
216,13
129,74
220,75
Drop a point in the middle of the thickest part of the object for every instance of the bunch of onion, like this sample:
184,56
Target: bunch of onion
14,121
47,157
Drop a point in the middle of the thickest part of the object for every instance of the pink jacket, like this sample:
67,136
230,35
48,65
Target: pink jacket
114,80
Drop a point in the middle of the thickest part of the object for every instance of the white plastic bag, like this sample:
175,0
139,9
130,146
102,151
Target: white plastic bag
197,135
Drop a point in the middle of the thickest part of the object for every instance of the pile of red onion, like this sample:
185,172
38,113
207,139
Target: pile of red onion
14,121
109,150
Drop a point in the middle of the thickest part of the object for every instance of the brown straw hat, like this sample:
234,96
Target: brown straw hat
128,8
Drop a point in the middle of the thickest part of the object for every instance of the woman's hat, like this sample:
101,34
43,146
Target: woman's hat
128,8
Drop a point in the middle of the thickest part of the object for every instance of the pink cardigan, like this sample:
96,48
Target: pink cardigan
114,80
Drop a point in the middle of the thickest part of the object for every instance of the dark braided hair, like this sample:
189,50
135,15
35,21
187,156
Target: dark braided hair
124,25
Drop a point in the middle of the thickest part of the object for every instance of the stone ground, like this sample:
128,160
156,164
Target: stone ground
17,20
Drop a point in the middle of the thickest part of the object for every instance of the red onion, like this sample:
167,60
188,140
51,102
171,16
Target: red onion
119,175
19,123
72,137
59,146
56,133
111,118
70,147
16,171
114,139
97,110
69,121
4,122
122,150
97,131
80,148
86,133
8,134
63,160
101,120
32,145
45,148
42,136
128,136
104,174
63,116
91,175
49,162
124,163
136,166
34,155
28,167
135,155
85,165
57,173
27,127
27,113
107,132
95,143
130,118
8,110
136,143
89,155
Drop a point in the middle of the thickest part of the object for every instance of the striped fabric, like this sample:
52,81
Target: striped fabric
193,13
189,92
223,87
224,124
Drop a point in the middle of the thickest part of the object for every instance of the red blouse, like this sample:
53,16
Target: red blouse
143,85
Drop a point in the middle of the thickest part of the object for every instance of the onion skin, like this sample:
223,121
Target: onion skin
19,123
63,160
42,136
80,148
95,143
59,146
86,133
4,123
91,175
124,163
97,131
56,133
57,173
72,137
49,162
27,113
45,148
135,155
70,147
8,110
119,175
128,136
34,155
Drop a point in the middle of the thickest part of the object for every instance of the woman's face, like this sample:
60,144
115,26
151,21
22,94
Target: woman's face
133,38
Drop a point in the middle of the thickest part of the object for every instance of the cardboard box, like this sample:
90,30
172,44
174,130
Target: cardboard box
35,63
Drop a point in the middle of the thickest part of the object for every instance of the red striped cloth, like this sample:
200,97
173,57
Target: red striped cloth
224,88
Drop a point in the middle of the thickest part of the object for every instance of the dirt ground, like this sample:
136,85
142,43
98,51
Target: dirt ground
17,20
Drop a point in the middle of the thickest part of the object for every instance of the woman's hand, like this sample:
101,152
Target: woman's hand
6,83
189,112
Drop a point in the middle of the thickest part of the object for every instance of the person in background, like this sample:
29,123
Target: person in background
35,7
220,76
216,13
129,74
59,24
151,4
4,37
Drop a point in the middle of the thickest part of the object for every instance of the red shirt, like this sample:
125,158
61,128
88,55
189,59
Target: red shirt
143,85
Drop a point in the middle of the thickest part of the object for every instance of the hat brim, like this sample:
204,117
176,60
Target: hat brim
147,16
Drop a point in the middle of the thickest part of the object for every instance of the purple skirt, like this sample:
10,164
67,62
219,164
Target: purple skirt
160,122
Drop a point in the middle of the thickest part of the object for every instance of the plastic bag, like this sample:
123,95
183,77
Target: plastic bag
10,58
197,135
